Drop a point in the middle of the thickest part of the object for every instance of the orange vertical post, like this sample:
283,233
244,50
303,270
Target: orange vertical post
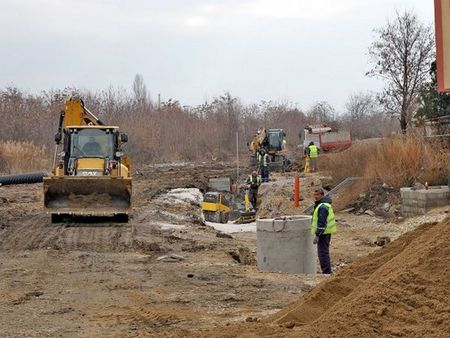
299,192
296,191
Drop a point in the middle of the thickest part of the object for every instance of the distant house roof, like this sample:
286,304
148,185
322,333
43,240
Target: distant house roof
440,119
436,126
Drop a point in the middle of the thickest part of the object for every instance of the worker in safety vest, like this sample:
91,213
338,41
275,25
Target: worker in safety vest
312,153
322,226
258,159
264,164
253,181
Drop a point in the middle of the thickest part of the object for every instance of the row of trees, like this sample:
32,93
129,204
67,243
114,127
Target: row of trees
166,131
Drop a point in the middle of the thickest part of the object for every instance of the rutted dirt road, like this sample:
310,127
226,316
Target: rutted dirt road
107,279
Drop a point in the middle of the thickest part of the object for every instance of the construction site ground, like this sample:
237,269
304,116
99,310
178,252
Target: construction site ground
165,273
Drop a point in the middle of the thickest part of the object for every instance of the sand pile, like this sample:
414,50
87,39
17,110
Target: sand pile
402,290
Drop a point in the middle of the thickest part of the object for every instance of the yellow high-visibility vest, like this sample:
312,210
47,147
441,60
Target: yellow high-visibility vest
331,220
263,160
313,151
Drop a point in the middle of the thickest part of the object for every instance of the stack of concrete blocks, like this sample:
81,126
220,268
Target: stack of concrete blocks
418,202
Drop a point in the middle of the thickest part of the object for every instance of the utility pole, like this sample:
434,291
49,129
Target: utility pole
237,161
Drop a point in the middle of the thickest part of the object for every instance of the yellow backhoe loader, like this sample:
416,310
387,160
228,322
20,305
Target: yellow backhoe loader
91,174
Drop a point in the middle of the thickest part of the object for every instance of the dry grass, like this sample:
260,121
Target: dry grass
405,160
350,162
21,157
399,161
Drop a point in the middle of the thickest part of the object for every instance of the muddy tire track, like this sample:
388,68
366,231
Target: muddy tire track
39,233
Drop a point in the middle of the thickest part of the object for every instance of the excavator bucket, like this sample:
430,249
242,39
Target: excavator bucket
245,217
87,196
248,215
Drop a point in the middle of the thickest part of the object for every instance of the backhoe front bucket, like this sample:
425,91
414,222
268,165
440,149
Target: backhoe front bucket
87,196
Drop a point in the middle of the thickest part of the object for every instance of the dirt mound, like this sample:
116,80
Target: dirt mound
400,290
162,178
277,197
382,199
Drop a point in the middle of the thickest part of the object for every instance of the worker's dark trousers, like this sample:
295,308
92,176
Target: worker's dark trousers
253,197
264,174
323,251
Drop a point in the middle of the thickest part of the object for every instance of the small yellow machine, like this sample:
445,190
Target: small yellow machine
216,207
91,174
249,214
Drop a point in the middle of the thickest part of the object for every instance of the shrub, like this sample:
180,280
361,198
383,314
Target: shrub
397,161
20,157
350,162
404,160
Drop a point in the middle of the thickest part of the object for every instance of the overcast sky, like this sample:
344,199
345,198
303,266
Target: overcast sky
302,51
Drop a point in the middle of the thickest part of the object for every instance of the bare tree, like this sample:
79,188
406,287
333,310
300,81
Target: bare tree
321,112
365,117
360,105
401,55
140,89
228,111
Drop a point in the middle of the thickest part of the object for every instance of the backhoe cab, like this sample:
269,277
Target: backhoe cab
216,207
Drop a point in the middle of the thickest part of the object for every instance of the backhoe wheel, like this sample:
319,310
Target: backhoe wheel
223,217
215,217
206,214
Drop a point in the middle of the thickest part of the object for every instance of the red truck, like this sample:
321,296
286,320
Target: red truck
325,138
